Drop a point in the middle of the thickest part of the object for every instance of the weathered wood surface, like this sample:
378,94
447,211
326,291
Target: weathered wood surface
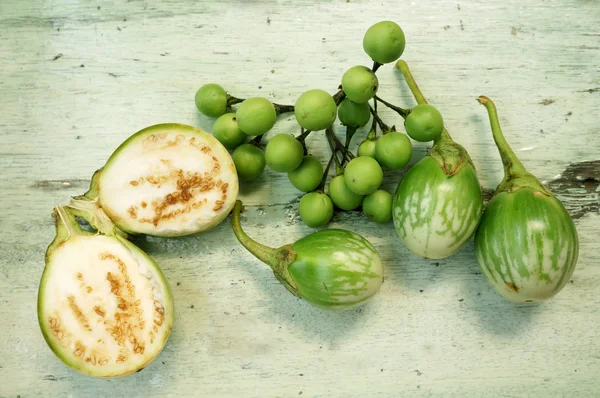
77,78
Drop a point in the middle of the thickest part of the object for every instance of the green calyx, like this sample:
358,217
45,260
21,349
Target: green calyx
67,224
66,227
86,207
451,156
279,259
515,175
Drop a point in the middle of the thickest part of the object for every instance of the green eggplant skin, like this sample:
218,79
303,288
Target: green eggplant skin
336,269
434,214
526,245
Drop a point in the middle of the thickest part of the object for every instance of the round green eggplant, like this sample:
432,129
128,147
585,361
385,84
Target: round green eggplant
105,308
332,269
526,244
436,214
438,203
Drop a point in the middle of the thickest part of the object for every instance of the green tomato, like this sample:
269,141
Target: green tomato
378,206
316,209
393,150
367,148
342,196
360,84
315,110
249,161
256,116
424,123
363,175
384,42
211,100
352,114
308,175
227,131
284,153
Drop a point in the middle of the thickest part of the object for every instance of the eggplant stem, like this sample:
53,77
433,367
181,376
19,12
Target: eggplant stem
512,165
412,84
277,258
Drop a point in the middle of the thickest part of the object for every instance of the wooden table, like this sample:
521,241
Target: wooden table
77,78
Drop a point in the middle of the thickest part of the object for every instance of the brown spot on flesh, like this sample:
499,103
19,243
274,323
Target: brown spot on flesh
78,313
512,286
132,212
181,200
121,329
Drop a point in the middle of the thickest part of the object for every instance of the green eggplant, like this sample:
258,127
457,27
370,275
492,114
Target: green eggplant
104,306
332,269
526,244
438,203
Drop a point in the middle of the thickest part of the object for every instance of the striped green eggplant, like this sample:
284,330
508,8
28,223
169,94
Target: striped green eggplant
332,269
526,244
438,204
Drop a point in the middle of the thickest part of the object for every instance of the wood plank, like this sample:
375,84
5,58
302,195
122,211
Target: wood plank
77,78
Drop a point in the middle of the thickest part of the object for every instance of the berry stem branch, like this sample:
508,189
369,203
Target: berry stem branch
339,96
279,109
231,100
349,134
401,111
338,144
321,186
256,140
384,127
302,138
338,167
376,66
373,131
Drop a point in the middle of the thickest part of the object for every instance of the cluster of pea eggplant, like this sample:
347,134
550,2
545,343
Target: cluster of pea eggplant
357,180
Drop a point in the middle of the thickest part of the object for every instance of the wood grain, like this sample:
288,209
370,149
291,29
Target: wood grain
77,78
